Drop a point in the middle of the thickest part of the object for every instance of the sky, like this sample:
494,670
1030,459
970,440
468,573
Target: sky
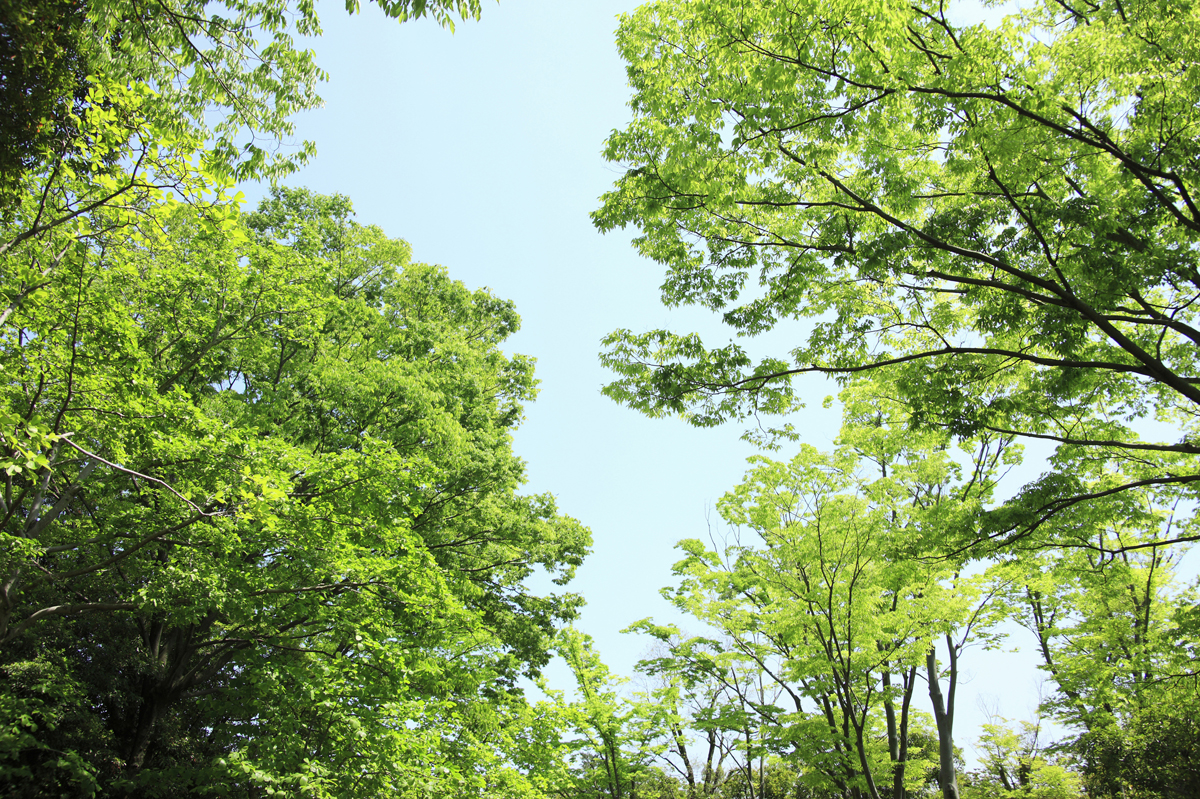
482,149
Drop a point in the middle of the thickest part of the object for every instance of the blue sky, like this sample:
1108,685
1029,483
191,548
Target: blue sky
482,149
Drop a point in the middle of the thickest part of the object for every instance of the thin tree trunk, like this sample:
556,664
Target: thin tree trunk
943,714
893,735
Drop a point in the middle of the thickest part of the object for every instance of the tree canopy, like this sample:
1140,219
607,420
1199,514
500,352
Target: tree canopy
281,468
1003,216
123,107
261,525
261,529
990,228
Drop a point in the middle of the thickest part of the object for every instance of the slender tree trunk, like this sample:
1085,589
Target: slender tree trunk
612,766
910,682
681,748
893,735
861,744
943,714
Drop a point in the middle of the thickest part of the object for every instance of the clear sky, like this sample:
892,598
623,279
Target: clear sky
482,149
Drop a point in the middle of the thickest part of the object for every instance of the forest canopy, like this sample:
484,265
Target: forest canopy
988,234
261,521
1002,217
280,467
262,529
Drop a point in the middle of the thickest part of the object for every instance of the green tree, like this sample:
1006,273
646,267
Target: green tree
1114,635
1003,216
722,719
1155,752
119,106
819,597
613,747
228,73
775,780
692,691
1017,766
274,541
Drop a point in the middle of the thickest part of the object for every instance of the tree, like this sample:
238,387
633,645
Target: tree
819,599
121,105
228,73
1115,638
611,753
724,721
274,541
1004,217
1153,753
1016,765
691,690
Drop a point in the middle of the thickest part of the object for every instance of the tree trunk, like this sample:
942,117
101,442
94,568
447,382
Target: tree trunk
893,738
943,714
151,709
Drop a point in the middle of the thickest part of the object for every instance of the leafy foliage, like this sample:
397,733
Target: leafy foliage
122,105
1017,765
827,614
1003,217
1114,635
275,540
41,73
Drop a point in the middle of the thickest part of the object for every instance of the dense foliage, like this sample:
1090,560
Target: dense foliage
120,106
996,224
260,529
41,74
275,541
1002,215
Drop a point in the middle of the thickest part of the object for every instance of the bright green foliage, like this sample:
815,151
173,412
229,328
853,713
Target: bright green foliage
610,755
120,106
270,539
1154,754
121,99
840,588
704,734
1006,217
826,615
721,722
1116,637
238,57
229,75
1016,766
1105,629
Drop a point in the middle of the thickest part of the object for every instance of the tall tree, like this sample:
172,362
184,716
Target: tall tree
820,596
696,691
1004,216
724,720
118,105
1113,633
614,736
275,540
